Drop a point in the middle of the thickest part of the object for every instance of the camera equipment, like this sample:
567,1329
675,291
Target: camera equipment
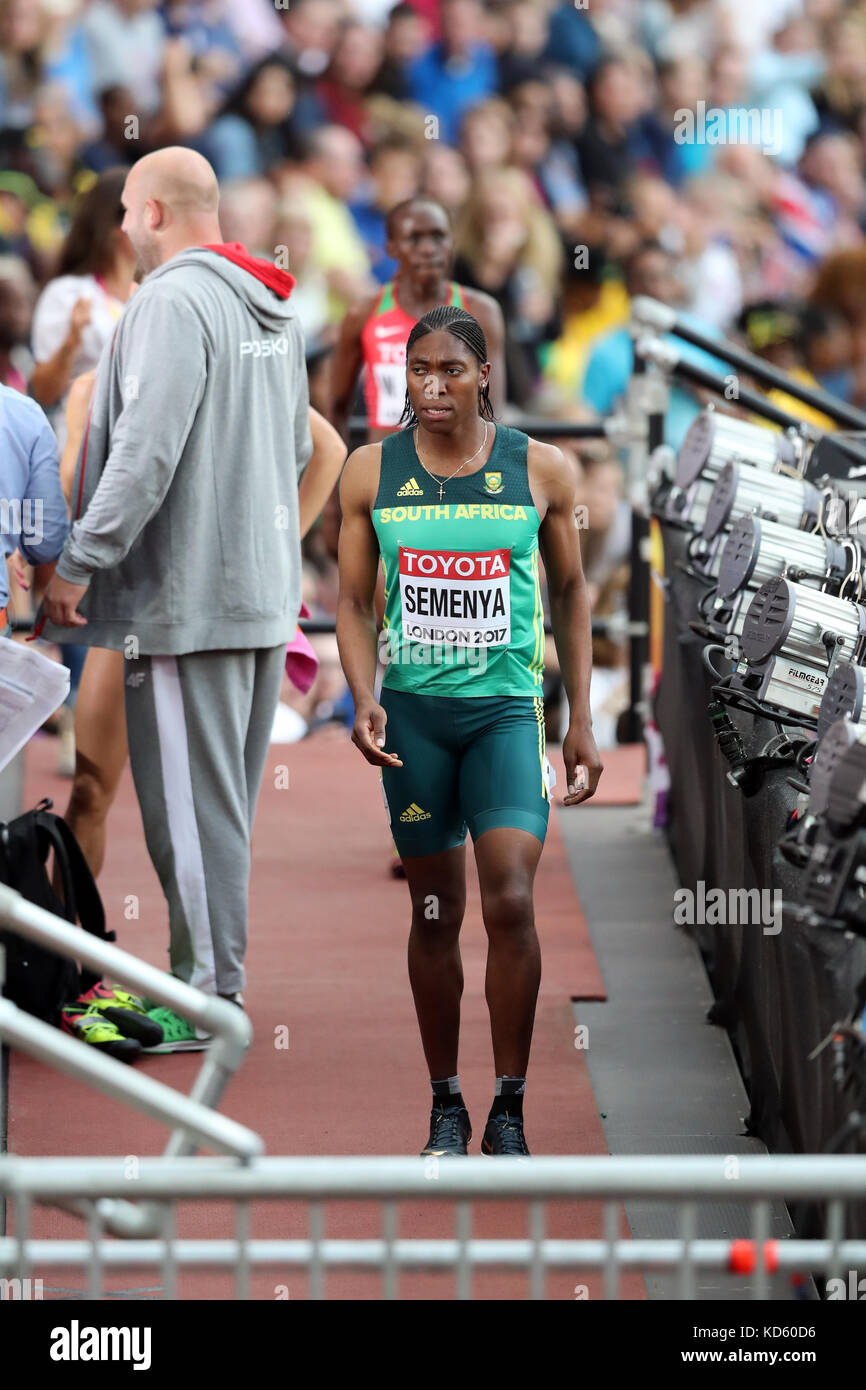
792,638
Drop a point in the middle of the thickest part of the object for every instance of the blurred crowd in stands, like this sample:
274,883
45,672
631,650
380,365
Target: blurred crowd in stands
552,132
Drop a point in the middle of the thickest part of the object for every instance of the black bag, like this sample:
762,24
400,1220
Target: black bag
38,980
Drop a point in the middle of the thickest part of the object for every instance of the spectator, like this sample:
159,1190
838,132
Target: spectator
456,72
36,49
840,97
507,245
120,143
29,475
395,176
77,311
774,332
552,164
594,302
214,45
486,133
311,33
248,208
527,30
710,268
607,144
332,167
572,39
17,297
828,353
782,78
254,131
569,104
832,166
406,38
293,232
126,45
651,271
682,83
445,177
342,90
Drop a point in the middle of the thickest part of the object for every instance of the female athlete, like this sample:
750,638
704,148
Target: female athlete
459,508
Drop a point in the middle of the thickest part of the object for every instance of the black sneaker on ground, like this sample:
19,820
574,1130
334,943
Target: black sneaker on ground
450,1132
503,1134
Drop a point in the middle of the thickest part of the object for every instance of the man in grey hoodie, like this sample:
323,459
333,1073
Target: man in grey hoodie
184,551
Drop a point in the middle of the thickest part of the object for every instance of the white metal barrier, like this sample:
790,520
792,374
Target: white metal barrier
684,1182
193,1118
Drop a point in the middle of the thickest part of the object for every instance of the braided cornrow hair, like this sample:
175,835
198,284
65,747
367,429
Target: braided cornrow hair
454,320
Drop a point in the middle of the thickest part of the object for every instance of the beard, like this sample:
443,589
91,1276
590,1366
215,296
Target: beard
147,258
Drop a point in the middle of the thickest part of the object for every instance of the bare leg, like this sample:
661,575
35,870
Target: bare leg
101,752
437,884
507,860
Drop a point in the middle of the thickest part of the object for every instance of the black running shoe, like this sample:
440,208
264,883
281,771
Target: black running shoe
125,1011
503,1134
450,1132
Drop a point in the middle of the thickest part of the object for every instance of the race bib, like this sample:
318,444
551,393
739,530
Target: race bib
390,379
456,597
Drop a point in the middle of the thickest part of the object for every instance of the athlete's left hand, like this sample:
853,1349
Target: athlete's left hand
583,765
61,602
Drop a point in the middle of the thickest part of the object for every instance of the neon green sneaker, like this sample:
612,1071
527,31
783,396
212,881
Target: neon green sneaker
178,1034
90,1027
126,1011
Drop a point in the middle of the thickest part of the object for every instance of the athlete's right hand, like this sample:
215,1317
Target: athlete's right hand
368,734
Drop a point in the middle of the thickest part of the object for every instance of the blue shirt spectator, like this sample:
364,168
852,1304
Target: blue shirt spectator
370,222
33,516
609,369
448,86
573,41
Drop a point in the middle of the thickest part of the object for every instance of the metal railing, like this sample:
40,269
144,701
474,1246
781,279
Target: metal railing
685,1182
193,1119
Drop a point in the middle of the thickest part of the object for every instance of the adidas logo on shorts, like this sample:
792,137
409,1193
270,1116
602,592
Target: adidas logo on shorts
415,812
410,489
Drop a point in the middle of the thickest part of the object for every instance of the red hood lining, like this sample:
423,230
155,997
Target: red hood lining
280,281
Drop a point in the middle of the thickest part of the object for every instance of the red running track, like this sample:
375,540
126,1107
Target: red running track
327,961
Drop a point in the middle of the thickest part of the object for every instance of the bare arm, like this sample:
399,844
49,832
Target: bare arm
553,482
346,364
77,407
321,473
488,313
356,618
51,378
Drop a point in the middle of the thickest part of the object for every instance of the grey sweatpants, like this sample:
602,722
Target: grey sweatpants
199,727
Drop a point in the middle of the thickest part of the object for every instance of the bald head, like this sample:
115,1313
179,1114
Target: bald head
171,199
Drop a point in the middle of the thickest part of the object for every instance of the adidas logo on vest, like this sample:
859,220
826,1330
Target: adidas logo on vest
410,489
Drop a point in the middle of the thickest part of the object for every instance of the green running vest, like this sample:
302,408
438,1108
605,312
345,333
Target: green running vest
463,612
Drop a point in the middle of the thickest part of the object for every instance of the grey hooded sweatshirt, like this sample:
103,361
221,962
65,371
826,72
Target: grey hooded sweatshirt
186,488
